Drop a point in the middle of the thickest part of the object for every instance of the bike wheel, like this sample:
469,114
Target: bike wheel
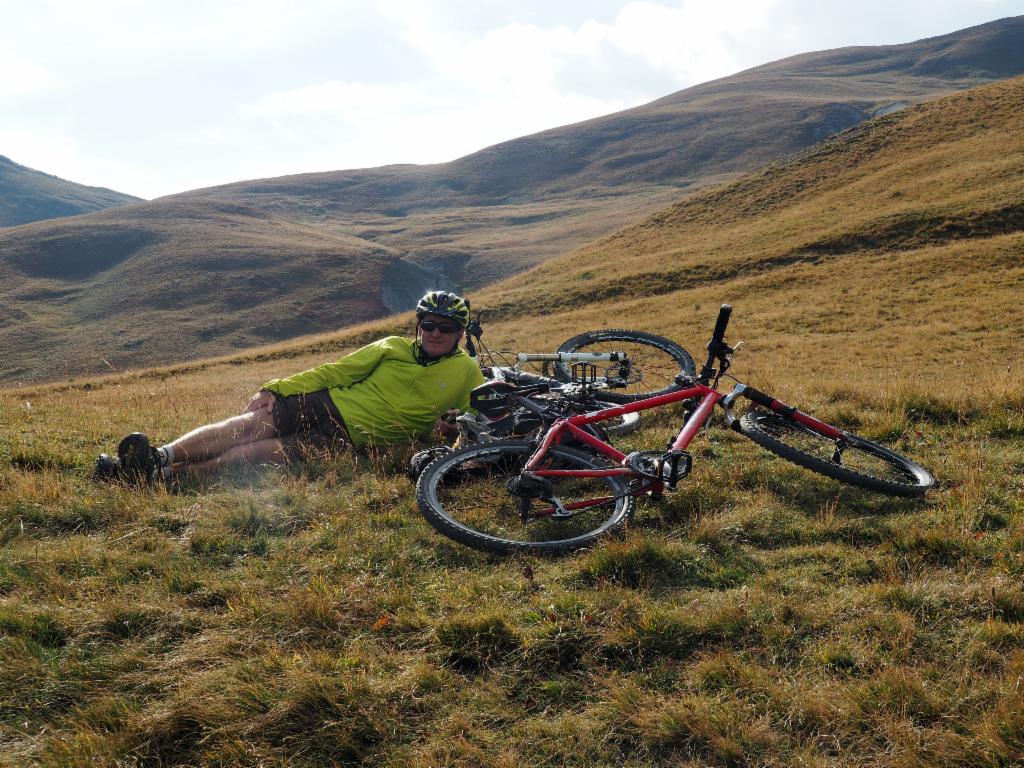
860,462
654,362
465,496
623,425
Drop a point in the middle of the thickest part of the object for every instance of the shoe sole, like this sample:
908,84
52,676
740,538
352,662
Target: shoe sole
136,457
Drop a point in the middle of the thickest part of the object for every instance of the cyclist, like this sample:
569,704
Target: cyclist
393,390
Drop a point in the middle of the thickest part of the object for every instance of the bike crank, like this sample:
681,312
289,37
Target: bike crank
668,468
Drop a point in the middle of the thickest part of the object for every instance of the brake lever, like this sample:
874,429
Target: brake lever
725,359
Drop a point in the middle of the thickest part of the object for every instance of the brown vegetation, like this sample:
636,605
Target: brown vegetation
27,195
760,616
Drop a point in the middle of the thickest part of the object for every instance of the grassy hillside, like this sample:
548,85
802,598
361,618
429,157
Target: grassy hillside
759,616
464,223
27,195
196,280
520,202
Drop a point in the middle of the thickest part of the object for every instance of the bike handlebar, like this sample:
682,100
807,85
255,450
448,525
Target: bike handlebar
720,324
717,348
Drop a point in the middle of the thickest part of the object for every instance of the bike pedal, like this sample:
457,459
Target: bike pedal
644,463
675,465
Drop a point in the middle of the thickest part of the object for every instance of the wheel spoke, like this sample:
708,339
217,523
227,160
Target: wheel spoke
467,495
852,460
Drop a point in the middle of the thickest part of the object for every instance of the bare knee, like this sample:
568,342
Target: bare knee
249,427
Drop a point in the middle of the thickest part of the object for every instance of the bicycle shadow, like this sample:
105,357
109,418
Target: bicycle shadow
810,494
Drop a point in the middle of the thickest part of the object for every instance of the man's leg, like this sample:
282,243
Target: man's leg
258,452
212,440
138,461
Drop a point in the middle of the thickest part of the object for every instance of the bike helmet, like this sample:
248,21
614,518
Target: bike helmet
444,304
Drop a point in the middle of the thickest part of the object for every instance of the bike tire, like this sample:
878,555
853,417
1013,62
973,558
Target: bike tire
464,496
619,426
863,463
623,425
654,359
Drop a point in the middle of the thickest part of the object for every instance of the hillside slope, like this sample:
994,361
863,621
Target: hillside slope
906,231
907,227
760,615
134,287
478,218
27,195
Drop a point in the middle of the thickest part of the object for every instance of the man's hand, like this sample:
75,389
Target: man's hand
446,424
261,401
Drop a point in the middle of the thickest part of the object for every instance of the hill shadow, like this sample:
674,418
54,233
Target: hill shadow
80,254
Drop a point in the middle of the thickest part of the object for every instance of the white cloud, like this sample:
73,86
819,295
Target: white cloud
22,76
335,99
42,150
164,95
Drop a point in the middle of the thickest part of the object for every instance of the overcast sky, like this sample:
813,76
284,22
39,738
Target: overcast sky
152,97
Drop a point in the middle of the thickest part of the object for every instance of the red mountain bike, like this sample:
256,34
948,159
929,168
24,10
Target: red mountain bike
542,497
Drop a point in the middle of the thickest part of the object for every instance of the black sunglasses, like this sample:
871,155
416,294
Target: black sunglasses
430,325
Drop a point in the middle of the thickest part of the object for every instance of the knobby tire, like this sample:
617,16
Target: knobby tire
863,463
464,495
654,362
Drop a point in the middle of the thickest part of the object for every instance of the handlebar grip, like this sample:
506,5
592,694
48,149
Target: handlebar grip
722,322
759,397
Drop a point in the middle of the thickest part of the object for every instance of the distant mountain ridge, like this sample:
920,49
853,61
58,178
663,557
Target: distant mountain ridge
367,240
28,195
723,126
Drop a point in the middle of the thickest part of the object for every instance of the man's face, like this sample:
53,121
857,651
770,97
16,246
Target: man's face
442,336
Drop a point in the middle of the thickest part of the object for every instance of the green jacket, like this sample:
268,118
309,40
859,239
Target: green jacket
384,394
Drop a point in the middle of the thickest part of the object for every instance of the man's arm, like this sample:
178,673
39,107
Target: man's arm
473,378
261,401
343,373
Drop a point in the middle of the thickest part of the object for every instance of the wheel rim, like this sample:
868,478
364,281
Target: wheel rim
472,493
859,457
651,369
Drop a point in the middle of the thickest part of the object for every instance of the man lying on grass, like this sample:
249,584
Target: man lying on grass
393,390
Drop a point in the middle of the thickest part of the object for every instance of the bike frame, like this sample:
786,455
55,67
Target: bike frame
708,397
573,426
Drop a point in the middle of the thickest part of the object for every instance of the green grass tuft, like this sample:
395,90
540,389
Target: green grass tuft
644,563
475,642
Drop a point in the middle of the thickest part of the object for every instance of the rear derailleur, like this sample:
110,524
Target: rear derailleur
526,487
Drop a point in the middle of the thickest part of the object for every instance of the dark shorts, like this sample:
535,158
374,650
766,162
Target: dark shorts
308,424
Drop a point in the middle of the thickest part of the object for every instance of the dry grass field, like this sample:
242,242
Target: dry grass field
760,616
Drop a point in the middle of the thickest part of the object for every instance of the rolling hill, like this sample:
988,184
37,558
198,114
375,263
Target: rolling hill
759,616
520,202
464,223
27,195
179,282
